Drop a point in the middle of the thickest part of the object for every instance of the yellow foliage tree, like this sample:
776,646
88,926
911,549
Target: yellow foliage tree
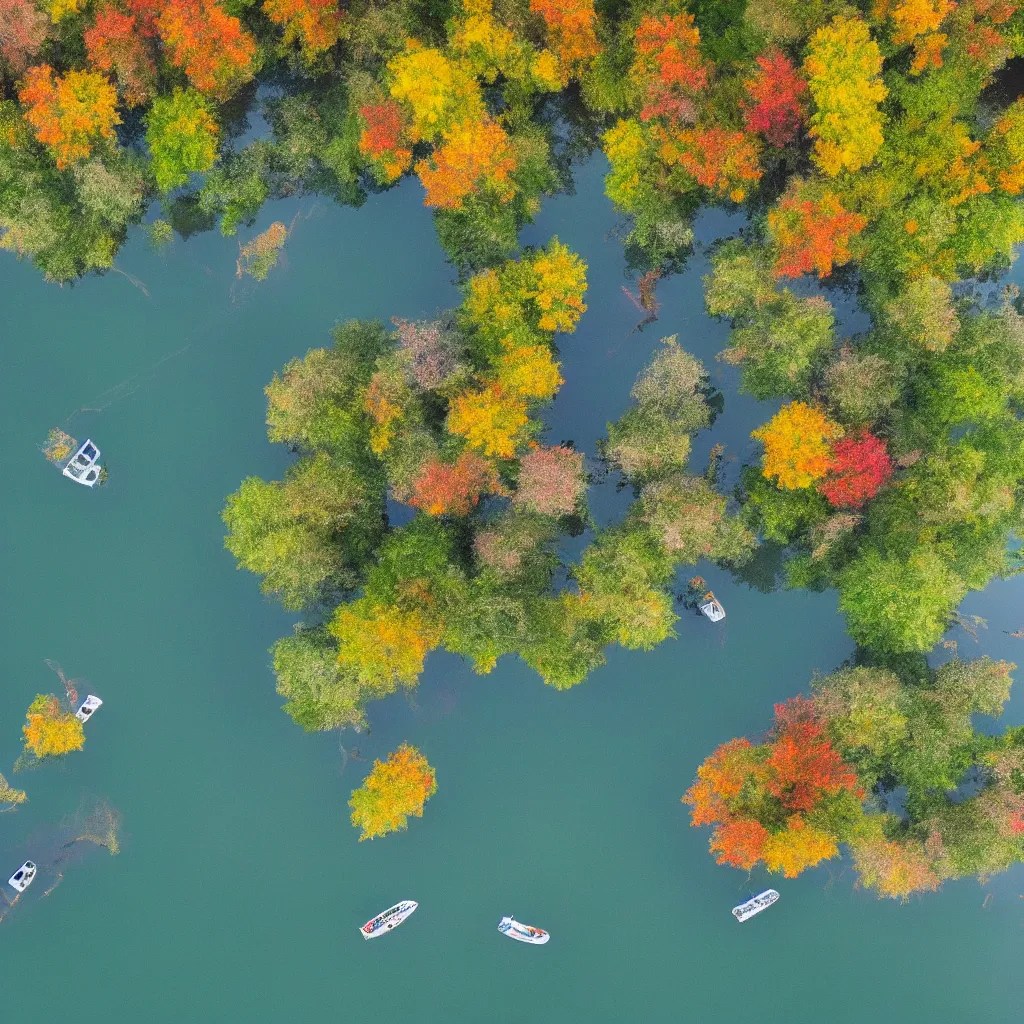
50,731
383,646
9,796
394,789
561,282
843,67
796,445
528,370
491,420
797,847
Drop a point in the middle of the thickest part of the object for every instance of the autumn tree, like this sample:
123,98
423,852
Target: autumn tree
571,31
474,154
71,114
23,28
843,68
182,136
383,140
116,45
811,231
453,488
394,790
50,729
777,105
208,44
797,445
669,67
860,467
550,481
9,796
314,24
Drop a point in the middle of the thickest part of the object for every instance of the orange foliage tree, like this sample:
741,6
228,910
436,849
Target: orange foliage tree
115,45
571,32
208,44
453,488
797,449
762,799
314,24
474,154
811,231
70,114
669,67
724,161
394,789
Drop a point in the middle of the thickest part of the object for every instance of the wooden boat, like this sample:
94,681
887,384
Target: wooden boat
388,919
762,901
89,705
22,878
522,932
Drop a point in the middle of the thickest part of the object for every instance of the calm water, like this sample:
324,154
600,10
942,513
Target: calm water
240,886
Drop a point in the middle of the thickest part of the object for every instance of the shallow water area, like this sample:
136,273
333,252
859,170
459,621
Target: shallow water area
240,887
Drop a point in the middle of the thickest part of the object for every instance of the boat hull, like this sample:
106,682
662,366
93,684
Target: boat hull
762,901
388,920
514,929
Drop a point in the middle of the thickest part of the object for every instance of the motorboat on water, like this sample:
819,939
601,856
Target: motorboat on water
89,705
762,901
522,932
712,607
388,920
83,467
22,878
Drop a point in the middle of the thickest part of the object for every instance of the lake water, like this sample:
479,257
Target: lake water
240,887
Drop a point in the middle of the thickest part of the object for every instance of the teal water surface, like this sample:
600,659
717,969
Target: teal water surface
240,887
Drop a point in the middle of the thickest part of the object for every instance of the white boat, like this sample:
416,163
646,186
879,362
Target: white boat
522,932
83,467
389,919
89,705
22,878
762,901
712,608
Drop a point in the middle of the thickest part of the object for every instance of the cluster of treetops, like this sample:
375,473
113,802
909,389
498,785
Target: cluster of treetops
870,155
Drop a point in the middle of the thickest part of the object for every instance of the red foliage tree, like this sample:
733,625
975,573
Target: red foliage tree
860,467
669,66
384,140
739,843
146,13
444,487
778,103
209,44
23,28
803,767
115,43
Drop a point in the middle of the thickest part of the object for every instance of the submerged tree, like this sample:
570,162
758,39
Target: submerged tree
395,789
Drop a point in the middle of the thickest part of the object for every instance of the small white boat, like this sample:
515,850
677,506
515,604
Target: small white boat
389,919
712,608
89,705
762,901
22,878
83,467
522,932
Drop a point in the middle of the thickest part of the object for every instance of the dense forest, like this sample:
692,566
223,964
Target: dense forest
877,151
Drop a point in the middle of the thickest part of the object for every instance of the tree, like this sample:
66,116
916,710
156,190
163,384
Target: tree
394,790
23,28
490,420
432,351
740,844
550,481
208,44
453,488
50,730
314,24
474,154
383,140
777,107
797,847
843,67
669,67
860,468
116,45
571,35
71,114
9,796
437,92
797,449
894,869
812,231
182,137
560,283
